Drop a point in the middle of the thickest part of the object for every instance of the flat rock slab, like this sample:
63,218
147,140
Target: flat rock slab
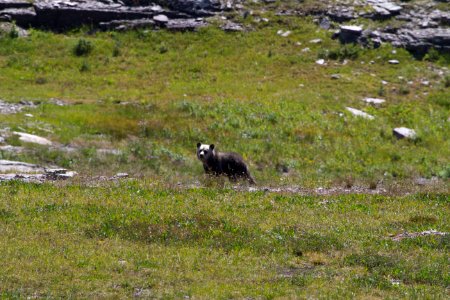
35,178
14,4
411,235
360,113
350,33
188,24
161,18
403,132
31,138
374,101
12,108
9,166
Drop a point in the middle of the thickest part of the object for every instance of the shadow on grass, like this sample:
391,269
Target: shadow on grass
214,232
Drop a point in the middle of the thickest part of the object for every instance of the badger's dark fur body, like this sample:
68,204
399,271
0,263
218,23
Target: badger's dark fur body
218,163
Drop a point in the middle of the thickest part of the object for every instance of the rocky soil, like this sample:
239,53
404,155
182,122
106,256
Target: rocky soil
419,25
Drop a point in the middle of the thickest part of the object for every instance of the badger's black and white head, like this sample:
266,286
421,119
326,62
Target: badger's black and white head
204,152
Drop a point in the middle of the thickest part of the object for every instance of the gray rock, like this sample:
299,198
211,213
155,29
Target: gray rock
12,149
35,178
8,166
325,23
284,33
122,25
14,4
231,26
121,175
161,18
374,101
186,24
58,174
12,108
403,132
195,7
335,76
341,13
64,15
393,62
31,138
316,41
359,113
320,61
109,151
350,33
21,16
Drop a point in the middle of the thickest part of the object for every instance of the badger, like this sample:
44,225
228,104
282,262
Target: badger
218,163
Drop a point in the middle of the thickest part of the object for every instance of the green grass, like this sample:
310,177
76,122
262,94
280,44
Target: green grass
153,95
116,240
277,110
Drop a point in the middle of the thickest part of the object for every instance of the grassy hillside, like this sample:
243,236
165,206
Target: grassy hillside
154,95
142,239
139,102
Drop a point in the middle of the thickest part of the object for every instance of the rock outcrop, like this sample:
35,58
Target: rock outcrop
108,14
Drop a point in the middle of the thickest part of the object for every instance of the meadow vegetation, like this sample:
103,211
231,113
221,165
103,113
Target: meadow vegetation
170,233
154,95
144,239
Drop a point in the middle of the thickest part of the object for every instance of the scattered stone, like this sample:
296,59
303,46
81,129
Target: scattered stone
109,151
325,23
58,102
58,174
360,113
8,166
122,25
12,149
335,76
191,24
29,115
12,108
6,28
403,132
425,181
374,101
411,235
14,4
283,33
341,13
36,178
393,62
231,26
350,33
121,175
315,41
395,281
30,138
304,50
2,140
161,18
320,61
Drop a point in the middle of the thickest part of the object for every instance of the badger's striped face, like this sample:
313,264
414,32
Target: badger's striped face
204,152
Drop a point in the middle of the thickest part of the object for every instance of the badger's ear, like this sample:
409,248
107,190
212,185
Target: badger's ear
211,146
198,145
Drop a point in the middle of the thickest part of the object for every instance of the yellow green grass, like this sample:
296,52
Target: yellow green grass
144,239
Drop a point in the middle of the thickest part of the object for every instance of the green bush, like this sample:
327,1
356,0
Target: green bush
432,55
340,53
83,48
